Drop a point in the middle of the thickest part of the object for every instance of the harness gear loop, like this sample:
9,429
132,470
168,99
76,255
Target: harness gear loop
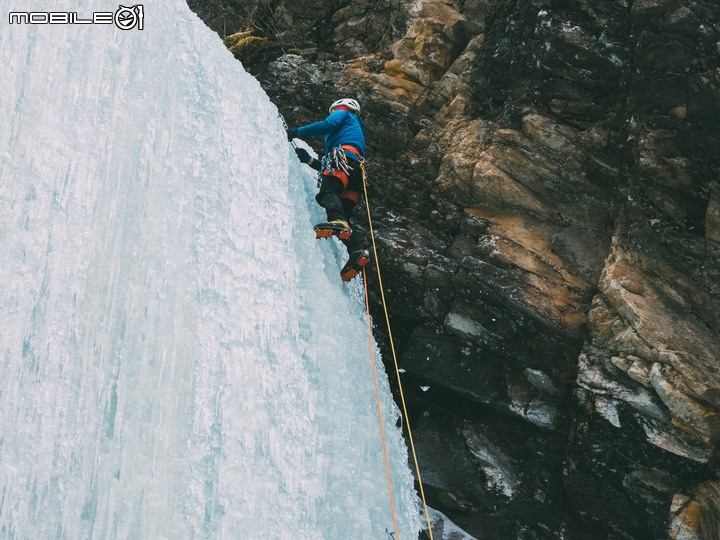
358,157
336,163
336,160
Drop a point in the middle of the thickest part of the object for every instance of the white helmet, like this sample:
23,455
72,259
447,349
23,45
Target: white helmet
351,104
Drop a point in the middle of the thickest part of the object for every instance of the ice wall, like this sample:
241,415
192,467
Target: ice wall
178,356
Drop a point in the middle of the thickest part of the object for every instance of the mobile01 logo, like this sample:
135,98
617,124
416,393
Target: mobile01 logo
125,18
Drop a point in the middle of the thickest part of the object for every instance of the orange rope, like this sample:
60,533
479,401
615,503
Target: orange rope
395,361
377,398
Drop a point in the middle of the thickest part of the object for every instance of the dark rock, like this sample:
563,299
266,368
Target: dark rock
544,189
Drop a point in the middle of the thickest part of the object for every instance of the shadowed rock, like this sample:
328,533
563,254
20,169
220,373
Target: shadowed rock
544,187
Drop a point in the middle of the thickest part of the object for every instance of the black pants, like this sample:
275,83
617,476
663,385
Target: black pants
338,207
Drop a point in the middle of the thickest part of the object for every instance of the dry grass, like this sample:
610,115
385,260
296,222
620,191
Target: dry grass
707,496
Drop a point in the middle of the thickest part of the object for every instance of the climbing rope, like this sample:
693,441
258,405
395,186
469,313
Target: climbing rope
397,368
377,399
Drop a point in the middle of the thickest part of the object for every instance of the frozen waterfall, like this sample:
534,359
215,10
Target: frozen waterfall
178,355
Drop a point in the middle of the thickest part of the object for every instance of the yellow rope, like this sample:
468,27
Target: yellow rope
377,399
394,355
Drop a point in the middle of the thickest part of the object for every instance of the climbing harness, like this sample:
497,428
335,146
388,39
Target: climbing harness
397,374
336,163
337,159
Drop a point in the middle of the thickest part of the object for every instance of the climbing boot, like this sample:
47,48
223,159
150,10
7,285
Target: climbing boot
335,227
355,263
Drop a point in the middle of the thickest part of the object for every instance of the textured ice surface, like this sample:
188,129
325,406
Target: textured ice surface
178,356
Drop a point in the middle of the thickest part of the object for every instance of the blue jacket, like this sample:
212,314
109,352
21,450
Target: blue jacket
340,127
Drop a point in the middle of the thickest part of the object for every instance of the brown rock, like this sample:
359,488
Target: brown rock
685,524
693,417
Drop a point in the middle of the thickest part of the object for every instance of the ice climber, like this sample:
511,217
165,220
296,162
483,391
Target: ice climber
341,175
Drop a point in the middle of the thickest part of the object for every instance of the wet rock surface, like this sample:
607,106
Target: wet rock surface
544,185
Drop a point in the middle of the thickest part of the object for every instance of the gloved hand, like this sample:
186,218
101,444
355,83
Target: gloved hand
292,134
303,155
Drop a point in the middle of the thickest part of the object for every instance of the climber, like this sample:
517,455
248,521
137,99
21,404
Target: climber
341,174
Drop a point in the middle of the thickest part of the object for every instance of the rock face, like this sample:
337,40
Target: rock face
545,190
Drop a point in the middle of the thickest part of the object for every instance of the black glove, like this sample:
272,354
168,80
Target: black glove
292,134
303,155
